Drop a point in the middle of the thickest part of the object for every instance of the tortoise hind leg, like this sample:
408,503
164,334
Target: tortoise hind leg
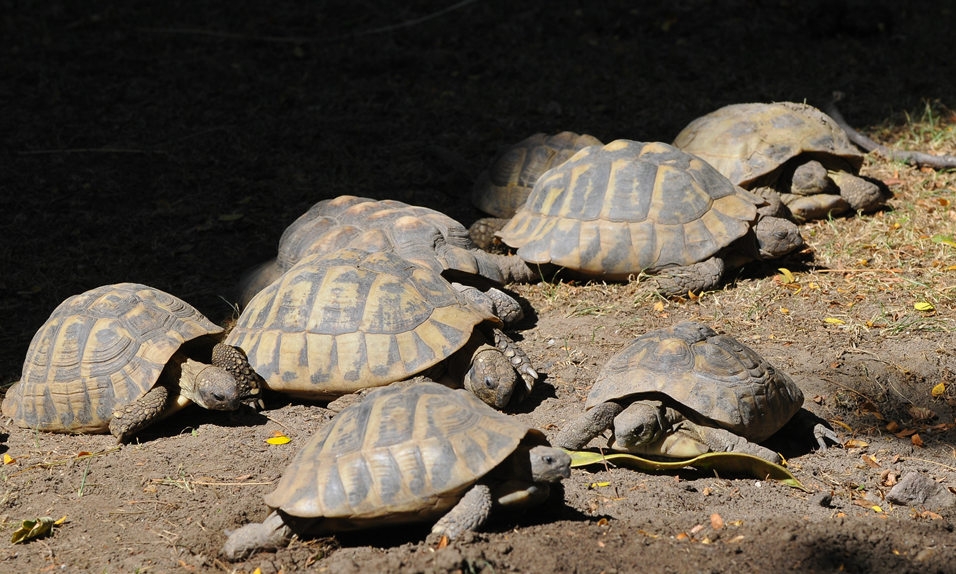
138,414
695,278
471,512
862,195
272,533
721,440
579,432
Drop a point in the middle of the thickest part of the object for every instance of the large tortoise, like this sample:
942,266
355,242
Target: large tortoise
418,234
407,455
612,212
502,188
119,357
353,320
794,149
684,391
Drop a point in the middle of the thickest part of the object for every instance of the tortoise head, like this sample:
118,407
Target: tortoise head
776,237
549,464
642,422
214,389
491,377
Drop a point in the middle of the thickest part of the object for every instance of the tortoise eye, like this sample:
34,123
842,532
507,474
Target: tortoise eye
549,459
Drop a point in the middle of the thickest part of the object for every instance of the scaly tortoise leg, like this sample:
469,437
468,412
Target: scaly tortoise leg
521,363
579,432
471,512
695,278
139,414
234,361
482,232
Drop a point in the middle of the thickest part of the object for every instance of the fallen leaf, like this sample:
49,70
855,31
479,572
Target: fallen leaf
948,240
737,538
923,306
278,433
32,529
697,529
787,275
889,477
855,443
916,440
83,453
931,515
834,321
905,433
785,311
921,413
7,459
876,509
278,440
659,306
443,542
870,461
682,536
60,521
938,390
706,491
842,424
892,426
716,522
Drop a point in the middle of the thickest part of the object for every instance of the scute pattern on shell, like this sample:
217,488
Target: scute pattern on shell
504,187
749,143
420,235
352,320
612,211
713,375
399,455
98,351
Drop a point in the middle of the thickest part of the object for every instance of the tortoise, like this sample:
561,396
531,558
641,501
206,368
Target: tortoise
504,187
119,357
333,325
794,149
420,235
683,391
407,455
612,212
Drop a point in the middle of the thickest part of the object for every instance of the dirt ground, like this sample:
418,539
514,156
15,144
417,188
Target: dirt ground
171,144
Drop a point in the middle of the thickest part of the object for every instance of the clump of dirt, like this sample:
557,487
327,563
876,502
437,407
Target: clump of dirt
171,144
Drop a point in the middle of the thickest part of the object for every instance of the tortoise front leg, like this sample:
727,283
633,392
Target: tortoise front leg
721,440
471,512
579,432
272,533
138,414
695,278
234,361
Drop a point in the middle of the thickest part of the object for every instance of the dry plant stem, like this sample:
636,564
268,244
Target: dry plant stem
911,157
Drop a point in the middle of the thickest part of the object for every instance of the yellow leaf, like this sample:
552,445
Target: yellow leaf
877,509
60,521
599,484
938,391
951,268
842,424
834,321
854,443
787,275
278,440
814,286
31,529
7,459
257,571
784,310
922,306
659,306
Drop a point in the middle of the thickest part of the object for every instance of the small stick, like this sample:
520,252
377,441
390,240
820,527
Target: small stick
861,270
89,461
910,157
169,481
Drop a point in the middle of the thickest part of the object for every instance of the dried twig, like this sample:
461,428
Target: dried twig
172,482
910,157
310,39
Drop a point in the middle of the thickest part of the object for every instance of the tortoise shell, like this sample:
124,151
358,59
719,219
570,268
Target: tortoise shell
418,234
613,211
504,187
99,351
751,143
352,320
401,455
706,376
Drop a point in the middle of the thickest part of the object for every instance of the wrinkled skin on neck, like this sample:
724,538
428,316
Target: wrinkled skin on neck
536,464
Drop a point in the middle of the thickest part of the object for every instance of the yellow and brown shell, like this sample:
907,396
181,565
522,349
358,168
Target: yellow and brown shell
712,377
352,320
750,143
504,187
98,351
418,234
613,211
401,455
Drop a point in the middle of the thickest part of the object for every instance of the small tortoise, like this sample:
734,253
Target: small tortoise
504,187
790,148
684,391
418,234
118,358
612,212
353,320
407,455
